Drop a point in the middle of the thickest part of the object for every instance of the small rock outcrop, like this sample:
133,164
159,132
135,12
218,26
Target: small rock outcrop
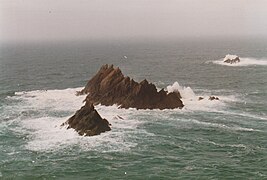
231,59
213,98
87,121
109,86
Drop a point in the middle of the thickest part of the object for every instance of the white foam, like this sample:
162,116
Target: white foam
44,133
192,102
217,125
253,116
65,99
227,145
244,61
42,130
229,56
185,92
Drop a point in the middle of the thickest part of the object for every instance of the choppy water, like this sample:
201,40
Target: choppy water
223,139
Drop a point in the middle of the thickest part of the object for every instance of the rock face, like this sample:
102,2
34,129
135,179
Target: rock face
231,59
109,86
87,121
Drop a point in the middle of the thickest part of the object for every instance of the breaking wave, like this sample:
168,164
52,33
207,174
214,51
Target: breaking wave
192,102
40,114
244,61
37,116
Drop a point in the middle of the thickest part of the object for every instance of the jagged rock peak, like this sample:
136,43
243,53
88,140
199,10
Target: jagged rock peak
87,121
109,86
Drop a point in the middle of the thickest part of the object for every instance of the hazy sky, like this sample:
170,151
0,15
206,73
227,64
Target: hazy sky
29,20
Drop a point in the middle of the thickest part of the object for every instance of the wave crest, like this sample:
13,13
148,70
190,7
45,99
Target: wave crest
191,99
40,113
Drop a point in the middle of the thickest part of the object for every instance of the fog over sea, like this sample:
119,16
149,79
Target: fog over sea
205,140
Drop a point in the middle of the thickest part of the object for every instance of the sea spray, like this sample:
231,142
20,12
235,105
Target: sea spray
185,92
55,106
41,112
192,102
244,61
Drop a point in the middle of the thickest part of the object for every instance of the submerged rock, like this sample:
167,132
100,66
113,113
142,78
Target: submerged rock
109,86
231,59
87,121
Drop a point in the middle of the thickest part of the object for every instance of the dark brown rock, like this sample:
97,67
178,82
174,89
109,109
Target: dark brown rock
200,98
213,98
119,117
109,86
231,59
87,121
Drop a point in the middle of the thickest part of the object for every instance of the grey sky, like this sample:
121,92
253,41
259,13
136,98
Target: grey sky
23,20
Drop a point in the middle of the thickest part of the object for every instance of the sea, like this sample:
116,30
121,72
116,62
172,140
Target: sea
220,139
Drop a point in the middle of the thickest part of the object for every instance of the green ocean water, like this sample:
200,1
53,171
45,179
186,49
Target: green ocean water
224,139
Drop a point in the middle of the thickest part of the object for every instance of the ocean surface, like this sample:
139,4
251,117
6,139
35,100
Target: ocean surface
225,139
